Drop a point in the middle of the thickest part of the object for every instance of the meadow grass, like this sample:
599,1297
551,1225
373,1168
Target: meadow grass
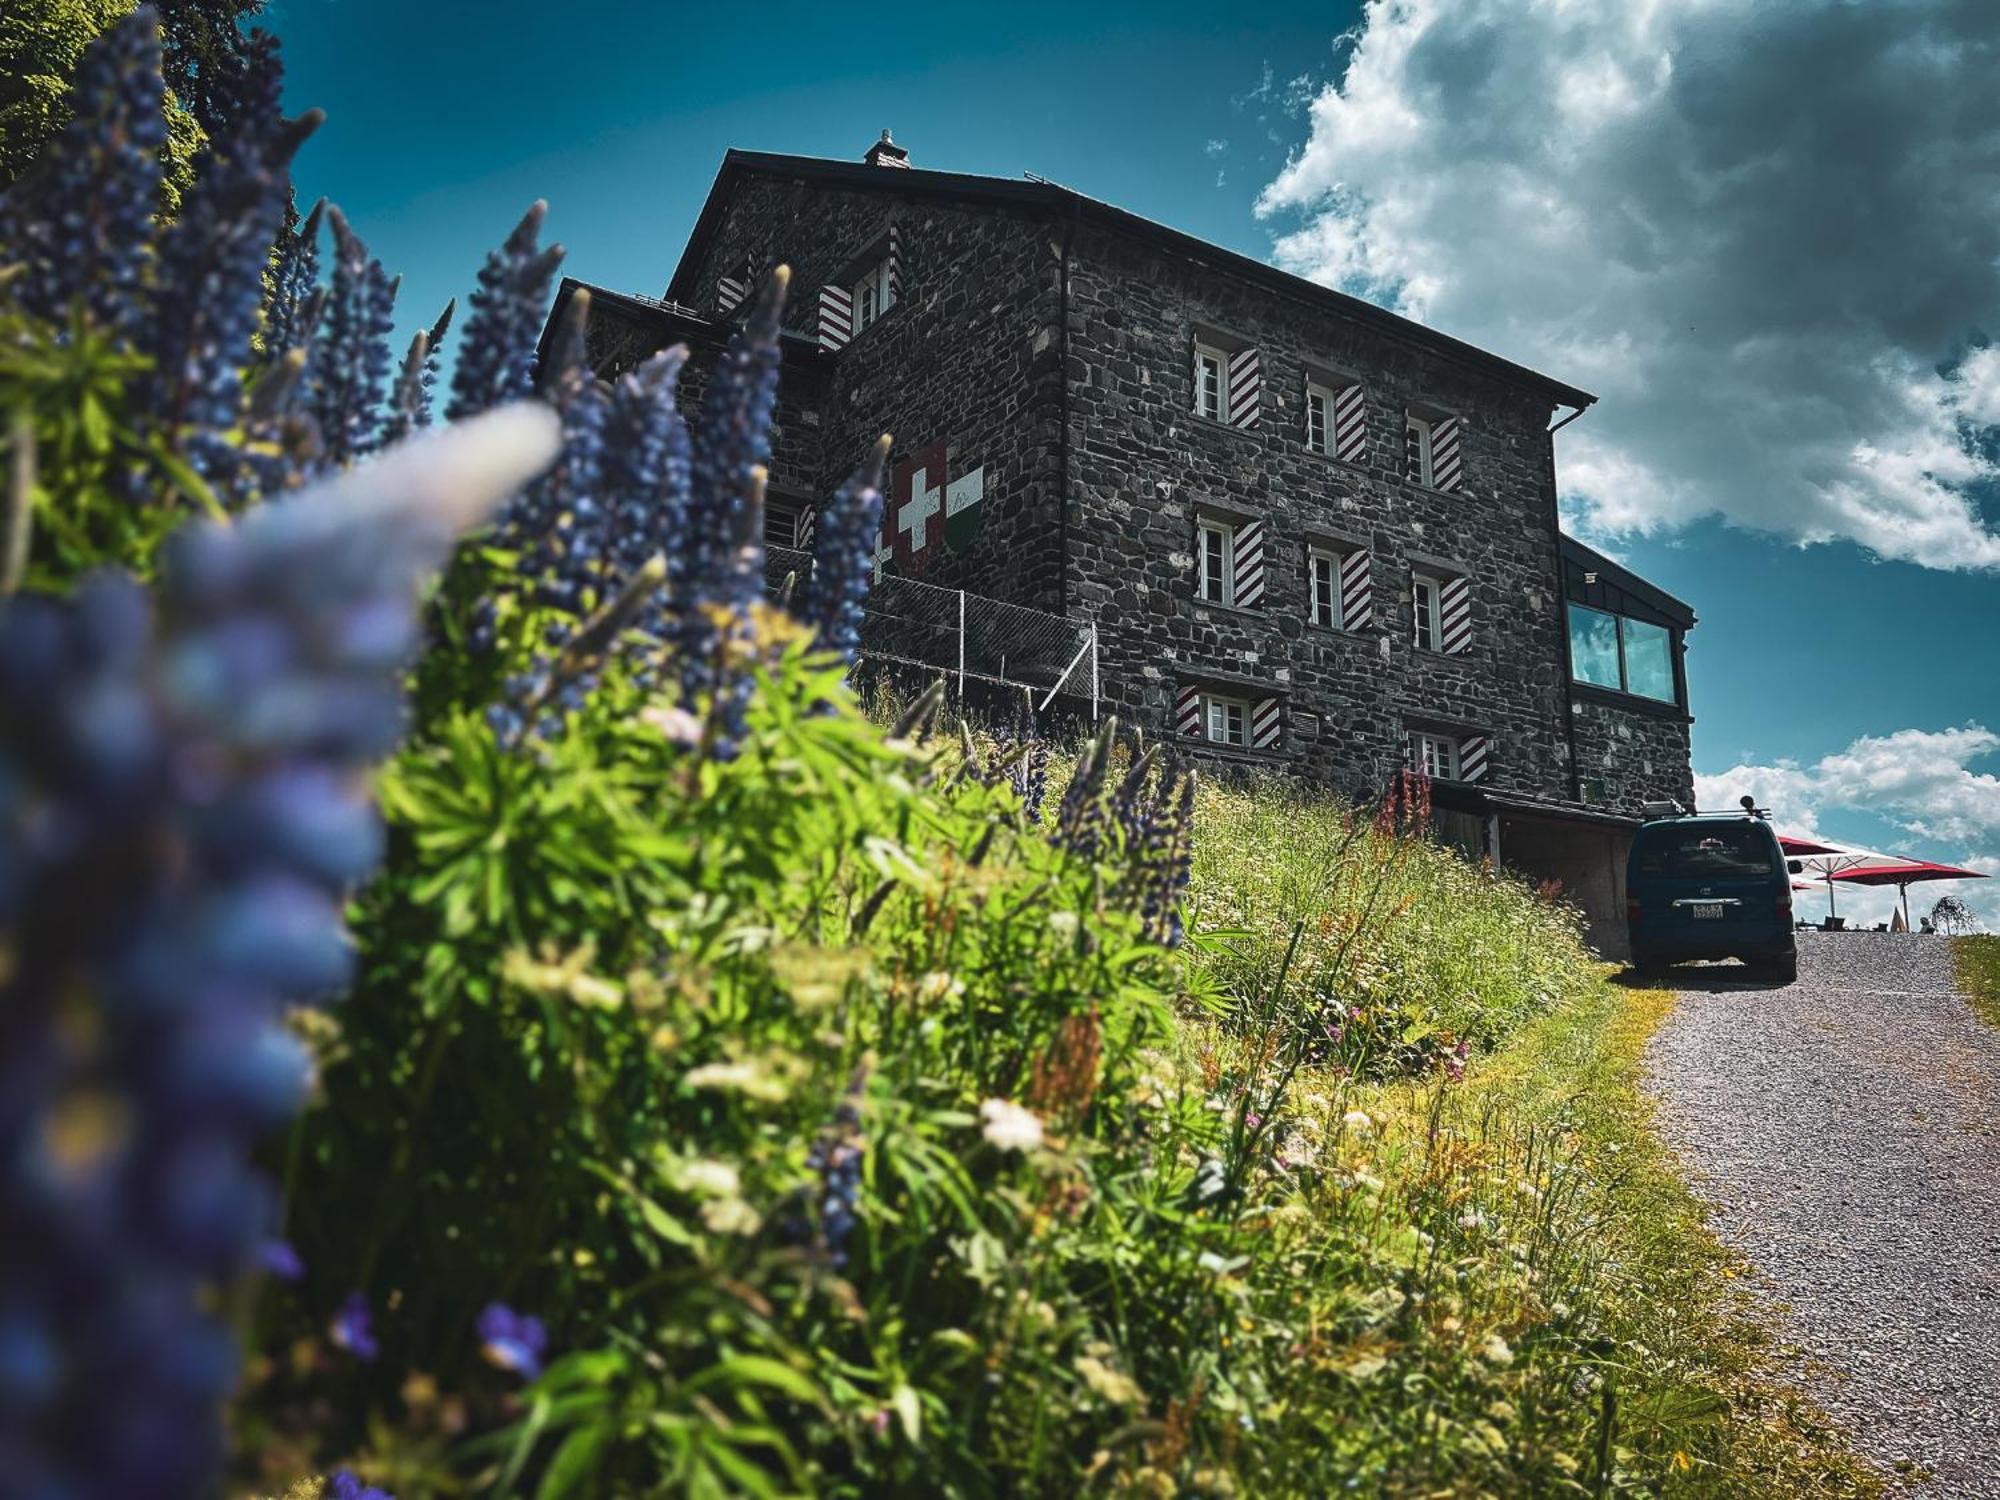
1978,962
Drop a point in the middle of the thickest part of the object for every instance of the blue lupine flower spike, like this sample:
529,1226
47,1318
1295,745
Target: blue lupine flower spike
81,222
409,401
497,358
294,278
844,557
347,1485
183,814
351,360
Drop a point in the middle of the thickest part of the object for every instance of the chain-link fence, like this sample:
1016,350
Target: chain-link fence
972,637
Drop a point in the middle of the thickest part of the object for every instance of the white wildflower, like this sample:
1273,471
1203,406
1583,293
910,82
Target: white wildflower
1009,1126
1357,1121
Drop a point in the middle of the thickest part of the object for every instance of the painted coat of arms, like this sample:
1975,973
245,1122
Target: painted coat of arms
926,512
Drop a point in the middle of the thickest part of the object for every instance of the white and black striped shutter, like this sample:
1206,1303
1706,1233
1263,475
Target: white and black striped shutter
1455,616
1472,757
1350,425
895,265
1249,565
1187,712
1245,403
836,317
1266,723
733,287
1357,592
805,527
1444,454
1413,452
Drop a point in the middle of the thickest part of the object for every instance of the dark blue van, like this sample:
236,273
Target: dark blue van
1710,886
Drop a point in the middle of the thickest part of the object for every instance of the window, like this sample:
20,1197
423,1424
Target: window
1323,576
787,523
1209,365
1319,418
1424,592
1228,720
1621,653
1217,583
1436,755
874,294
1417,449
1700,851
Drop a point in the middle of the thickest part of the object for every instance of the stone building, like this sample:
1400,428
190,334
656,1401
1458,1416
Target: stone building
1313,536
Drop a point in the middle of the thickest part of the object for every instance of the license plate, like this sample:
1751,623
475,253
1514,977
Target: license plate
1709,909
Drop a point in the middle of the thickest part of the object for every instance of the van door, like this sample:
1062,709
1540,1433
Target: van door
1710,885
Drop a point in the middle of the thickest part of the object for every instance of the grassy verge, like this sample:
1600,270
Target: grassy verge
1978,961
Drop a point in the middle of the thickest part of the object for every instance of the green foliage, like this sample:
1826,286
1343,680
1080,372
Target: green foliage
40,43
1978,963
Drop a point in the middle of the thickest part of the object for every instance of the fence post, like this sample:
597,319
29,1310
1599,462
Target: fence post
1093,671
961,645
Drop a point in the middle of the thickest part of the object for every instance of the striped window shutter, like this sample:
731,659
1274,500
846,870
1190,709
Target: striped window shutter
1187,712
1472,757
1357,592
836,317
733,287
1245,400
895,264
1249,565
1350,425
1413,453
1444,454
1455,616
1266,724
804,528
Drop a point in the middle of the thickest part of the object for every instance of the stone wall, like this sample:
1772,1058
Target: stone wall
1145,465
1635,754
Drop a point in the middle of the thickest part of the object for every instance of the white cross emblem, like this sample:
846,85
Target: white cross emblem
914,517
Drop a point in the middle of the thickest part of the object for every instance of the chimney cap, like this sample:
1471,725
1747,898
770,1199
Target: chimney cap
886,153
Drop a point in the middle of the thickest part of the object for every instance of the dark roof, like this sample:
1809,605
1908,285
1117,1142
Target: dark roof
675,322
1039,195
1590,559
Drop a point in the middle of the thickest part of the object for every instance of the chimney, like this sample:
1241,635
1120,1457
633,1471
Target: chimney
886,153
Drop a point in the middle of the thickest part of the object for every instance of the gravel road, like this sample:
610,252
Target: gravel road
1847,1129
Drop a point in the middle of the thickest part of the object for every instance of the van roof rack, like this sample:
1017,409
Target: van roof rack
1664,807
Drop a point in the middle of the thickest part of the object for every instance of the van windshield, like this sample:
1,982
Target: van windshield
1742,849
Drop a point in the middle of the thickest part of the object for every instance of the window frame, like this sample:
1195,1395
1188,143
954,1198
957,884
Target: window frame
1423,427
1336,606
1227,705
786,505
1429,745
1317,391
1225,584
1206,356
872,295
1426,615
1623,687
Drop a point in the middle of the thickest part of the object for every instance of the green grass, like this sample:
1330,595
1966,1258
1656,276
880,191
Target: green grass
1978,961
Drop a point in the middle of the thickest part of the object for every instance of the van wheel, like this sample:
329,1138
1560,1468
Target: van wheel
1784,968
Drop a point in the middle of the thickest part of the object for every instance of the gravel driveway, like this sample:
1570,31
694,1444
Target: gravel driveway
1847,1128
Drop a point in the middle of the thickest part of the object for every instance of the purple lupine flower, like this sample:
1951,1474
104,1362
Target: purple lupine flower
844,558
719,573
410,401
835,1161
1080,815
81,222
278,1258
1165,864
513,1341
496,358
353,1328
294,280
182,817
351,361
646,471
211,265
347,1485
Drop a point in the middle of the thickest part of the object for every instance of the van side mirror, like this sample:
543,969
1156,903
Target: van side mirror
1795,867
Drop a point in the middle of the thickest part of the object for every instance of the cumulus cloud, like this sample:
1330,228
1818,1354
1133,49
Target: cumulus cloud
1765,232
1921,780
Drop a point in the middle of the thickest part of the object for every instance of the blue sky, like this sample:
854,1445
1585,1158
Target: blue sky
1490,167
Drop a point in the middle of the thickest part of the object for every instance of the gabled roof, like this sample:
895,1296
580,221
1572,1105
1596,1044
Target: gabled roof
1051,199
675,322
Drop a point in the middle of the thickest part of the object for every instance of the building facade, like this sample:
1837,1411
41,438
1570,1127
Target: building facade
1312,535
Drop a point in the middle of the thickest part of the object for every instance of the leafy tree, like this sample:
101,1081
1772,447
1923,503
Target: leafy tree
1952,916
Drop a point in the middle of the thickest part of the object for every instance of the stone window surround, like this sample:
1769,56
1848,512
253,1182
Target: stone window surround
1439,568
1456,731
1340,545
872,253
1225,341
1332,379
1429,413
1233,685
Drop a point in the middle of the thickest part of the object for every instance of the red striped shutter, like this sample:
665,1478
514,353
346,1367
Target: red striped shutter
1249,593
1187,712
1472,757
1445,472
1243,402
733,287
1350,425
1357,592
895,262
1266,724
1455,616
836,317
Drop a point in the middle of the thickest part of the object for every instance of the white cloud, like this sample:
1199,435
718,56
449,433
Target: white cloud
1757,228
1922,781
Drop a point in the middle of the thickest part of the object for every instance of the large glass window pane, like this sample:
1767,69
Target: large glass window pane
1593,646
1649,665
